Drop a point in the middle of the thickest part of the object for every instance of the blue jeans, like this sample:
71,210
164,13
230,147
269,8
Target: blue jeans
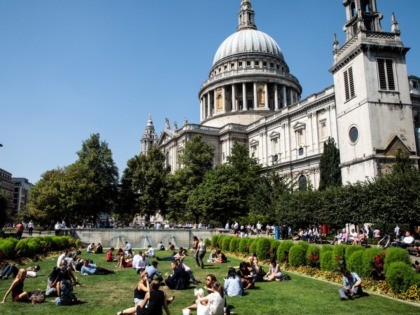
345,293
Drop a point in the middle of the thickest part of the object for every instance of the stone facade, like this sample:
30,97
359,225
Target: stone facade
251,97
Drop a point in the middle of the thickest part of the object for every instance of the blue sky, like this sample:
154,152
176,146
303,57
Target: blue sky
71,68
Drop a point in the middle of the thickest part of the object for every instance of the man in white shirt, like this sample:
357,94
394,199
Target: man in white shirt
136,259
141,263
406,242
150,253
61,258
127,247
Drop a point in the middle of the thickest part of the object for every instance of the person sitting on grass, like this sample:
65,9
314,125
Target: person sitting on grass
65,294
150,253
155,300
54,283
274,272
179,280
176,256
233,284
211,304
16,288
140,291
124,262
199,293
92,269
110,255
152,272
90,248
244,272
352,285
98,249
385,241
221,257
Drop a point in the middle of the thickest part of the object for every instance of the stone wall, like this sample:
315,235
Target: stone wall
140,238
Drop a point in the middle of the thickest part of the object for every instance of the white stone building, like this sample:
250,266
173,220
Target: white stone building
371,111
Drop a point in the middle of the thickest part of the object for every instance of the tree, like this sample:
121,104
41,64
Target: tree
101,175
195,162
3,209
402,164
329,166
46,197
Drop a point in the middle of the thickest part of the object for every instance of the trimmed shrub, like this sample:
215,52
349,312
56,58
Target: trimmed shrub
242,247
312,255
283,250
369,260
400,276
7,246
350,249
297,255
338,256
304,244
274,244
253,246
326,260
394,254
326,248
215,241
354,263
226,243
207,241
263,248
234,244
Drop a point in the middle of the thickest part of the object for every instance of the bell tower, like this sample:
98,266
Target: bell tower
374,110
149,138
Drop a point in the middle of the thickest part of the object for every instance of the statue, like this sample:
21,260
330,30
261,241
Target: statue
167,124
185,121
175,126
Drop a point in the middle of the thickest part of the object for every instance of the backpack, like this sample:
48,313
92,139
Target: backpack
285,277
37,296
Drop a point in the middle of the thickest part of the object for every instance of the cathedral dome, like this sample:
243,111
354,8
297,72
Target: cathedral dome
248,41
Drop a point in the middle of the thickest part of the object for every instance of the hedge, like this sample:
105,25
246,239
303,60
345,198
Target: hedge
326,260
7,246
354,263
368,260
263,248
338,256
226,243
400,276
253,246
242,247
274,244
283,250
234,244
312,255
297,255
350,249
394,254
215,241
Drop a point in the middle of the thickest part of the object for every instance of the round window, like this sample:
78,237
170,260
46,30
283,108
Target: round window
353,134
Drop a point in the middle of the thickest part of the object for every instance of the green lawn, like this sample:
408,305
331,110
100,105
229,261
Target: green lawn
112,293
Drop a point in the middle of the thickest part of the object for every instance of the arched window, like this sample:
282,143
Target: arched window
303,183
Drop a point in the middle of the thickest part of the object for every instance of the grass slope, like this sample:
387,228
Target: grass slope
112,293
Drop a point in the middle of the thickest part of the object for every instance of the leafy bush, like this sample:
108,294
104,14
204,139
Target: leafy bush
326,248
253,246
326,260
304,244
207,241
226,243
338,256
274,244
263,248
354,263
312,255
297,255
215,241
242,247
283,250
350,249
394,254
7,246
400,276
369,259
234,244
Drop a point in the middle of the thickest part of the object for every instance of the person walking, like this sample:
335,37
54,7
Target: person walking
201,253
31,227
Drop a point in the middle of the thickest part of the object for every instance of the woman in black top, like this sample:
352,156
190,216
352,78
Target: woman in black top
156,299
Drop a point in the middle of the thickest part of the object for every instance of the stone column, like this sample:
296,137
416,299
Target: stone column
214,103
244,103
276,97
208,105
284,96
202,109
255,96
234,105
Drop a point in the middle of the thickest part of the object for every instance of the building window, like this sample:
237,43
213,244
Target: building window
248,63
303,183
386,74
271,65
353,134
349,83
240,63
301,151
